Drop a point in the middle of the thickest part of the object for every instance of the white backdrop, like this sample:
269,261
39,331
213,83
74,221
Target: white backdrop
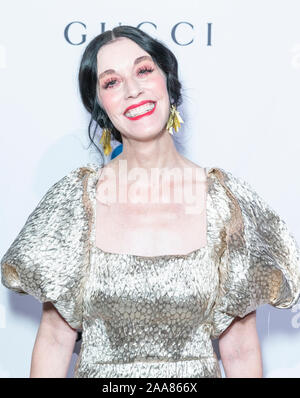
239,63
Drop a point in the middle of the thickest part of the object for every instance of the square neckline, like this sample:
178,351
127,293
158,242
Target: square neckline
194,252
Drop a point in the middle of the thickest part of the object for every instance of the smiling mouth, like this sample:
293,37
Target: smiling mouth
141,111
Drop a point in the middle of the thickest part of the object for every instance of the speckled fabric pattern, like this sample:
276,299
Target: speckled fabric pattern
153,316
261,262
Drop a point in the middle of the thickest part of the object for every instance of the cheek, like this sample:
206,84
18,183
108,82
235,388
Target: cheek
110,101
159,86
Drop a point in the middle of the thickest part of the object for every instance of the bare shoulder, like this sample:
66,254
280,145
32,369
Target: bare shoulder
195,167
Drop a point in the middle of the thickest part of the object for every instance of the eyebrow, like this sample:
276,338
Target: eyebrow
137,61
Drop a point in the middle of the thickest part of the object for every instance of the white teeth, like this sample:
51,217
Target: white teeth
140,110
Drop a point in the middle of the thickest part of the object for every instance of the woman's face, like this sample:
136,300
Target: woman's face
128,81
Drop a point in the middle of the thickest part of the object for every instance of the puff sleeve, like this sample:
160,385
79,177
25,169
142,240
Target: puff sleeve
261,260
49,256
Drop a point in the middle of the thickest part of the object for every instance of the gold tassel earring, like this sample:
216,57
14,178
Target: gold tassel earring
105,141
174,120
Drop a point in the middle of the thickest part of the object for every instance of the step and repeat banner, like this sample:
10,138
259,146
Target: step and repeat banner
239,65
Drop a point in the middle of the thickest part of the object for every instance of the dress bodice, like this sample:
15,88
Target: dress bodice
147,314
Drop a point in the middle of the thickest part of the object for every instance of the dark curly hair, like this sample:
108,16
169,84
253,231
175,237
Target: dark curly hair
87,77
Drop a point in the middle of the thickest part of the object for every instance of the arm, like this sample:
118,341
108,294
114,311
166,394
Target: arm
240,349
53,346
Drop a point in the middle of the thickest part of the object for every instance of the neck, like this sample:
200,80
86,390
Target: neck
153,153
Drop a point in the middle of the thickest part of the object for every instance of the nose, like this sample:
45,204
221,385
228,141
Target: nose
133,88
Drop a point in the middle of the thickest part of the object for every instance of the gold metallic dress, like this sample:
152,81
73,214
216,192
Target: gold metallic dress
153,316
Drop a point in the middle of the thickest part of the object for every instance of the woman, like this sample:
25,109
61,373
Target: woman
148,282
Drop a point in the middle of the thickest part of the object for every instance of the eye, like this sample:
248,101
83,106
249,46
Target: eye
143,70
107,83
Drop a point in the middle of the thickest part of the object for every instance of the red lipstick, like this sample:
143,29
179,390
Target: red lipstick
144,114
136,105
